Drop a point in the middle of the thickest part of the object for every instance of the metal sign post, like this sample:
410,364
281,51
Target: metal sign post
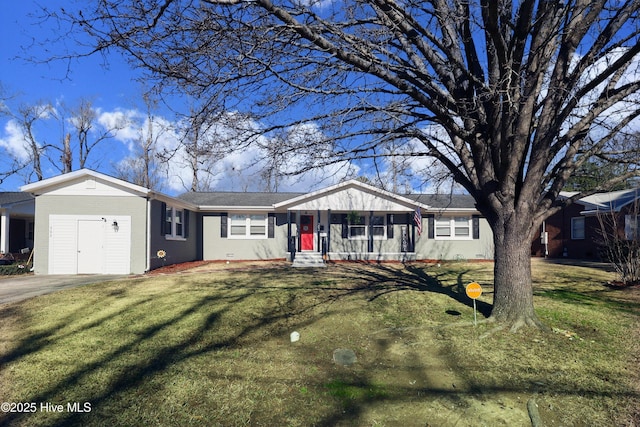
474,290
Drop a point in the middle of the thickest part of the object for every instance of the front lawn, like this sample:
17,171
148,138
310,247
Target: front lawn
212,347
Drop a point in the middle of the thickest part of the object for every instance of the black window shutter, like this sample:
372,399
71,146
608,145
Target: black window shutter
163,217
186,223
223,225
389,226
430,226
271,226
345,227
475,223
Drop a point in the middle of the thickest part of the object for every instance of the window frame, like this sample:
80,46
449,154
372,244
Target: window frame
174,223
251,223
364,223
576,220
449,222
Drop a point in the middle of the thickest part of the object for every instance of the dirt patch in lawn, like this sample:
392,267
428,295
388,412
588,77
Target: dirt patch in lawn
177,268
205,266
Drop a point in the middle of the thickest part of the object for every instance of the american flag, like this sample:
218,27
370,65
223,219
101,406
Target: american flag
417,218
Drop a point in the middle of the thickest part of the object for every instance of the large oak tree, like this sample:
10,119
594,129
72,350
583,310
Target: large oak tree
510,96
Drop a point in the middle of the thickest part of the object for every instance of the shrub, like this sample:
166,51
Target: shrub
13,269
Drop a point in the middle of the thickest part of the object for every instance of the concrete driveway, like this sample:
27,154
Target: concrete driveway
17,288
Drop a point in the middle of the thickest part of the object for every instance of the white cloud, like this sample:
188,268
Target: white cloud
14,141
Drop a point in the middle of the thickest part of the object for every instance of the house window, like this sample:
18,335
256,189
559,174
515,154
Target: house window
631,227
173,223
238,226
378,226
359,227
245,226
258,225
577,228
453,228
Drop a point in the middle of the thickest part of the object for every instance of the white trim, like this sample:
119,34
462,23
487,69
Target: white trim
247,225
367,226
41,186
148,239
5,219
452,227
239,209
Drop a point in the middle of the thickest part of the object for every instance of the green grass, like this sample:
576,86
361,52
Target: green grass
212,348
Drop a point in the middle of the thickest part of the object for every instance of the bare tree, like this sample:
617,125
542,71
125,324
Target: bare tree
510,96
67,155
143,166
27,158
84,136
618,237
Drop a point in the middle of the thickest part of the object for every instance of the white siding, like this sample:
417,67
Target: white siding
113,244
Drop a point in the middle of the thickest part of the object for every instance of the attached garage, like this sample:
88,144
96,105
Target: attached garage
90,223
89,244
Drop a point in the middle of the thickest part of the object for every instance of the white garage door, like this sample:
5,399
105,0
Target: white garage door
89,244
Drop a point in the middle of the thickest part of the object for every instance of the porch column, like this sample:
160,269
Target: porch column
370,233
289,245
4,231
328,231
318,233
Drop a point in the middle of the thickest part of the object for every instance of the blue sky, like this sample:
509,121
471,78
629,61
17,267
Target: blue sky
30,83
115,93
112,90
18,31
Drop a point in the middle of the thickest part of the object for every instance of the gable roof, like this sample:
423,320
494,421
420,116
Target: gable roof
67,179
347,185
49,184
611,201
222,200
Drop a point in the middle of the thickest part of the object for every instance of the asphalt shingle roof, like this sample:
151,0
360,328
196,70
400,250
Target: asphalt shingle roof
225,198
11,197
445,201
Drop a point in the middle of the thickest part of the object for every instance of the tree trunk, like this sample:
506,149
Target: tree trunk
513,290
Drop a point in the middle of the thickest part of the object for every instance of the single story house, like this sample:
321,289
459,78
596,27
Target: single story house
17,210
576,231
88,222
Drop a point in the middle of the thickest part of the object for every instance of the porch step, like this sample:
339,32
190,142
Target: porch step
308,259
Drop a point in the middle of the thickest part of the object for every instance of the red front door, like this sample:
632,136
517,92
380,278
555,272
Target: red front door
306,232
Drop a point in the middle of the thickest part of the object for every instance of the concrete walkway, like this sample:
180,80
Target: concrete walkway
18,288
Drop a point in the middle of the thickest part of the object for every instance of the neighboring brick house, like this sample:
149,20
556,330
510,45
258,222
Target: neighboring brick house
575,231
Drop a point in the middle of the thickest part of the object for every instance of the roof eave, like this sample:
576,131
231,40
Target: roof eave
221,208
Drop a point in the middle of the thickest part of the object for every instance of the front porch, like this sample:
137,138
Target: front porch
17,212
371,236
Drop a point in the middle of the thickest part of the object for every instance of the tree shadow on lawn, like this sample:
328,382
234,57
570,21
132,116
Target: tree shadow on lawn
385,279
133,374
202,338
